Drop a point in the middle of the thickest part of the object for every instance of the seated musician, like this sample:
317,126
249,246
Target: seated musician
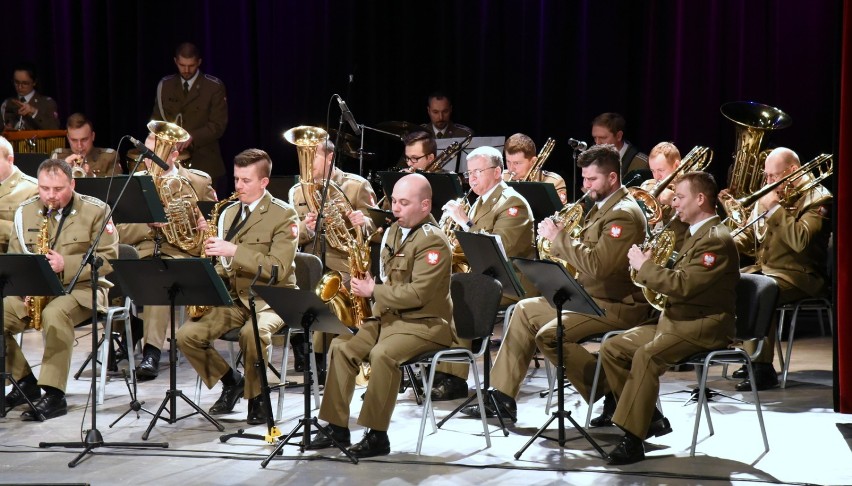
614,223
70,227
142,236
663,160
15,188
698,316
520,159
28,109
420,150
789,244
95,161
412,315
440,111
260,230
501,211
608,128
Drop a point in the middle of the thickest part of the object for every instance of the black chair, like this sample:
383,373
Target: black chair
476,298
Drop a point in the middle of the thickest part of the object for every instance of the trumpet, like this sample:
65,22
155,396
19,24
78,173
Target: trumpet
78,166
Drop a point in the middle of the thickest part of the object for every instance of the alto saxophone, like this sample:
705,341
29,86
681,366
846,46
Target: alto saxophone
197,311
35,304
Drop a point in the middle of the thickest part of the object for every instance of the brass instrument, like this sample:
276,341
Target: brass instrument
737,208
77,169
448,154
35,305
182,228
697,159
534,173
753,120
571,216
662,245
196,311
449,226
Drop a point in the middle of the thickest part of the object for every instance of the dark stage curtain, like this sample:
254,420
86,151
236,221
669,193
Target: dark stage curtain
545,68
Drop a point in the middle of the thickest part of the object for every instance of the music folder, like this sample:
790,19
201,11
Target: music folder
551,279
381,218
484,255
541,196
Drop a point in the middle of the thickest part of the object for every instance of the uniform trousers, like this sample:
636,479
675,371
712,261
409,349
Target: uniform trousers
195,339
386,352
58,319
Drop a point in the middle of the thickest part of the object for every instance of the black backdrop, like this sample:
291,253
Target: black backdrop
544,67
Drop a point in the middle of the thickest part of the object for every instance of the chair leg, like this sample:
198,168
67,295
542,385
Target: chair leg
282,388
551,382
702,402
481,403
105,347
198,389
428,379
593,391
757,406
779,332
315,385
790,337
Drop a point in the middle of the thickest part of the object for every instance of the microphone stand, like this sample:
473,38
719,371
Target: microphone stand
94,438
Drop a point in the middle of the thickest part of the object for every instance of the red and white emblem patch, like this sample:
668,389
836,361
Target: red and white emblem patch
110,228
708,260
513,211
615,231
433,257
294,230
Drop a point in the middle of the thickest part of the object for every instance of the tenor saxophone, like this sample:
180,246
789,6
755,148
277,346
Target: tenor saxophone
35,304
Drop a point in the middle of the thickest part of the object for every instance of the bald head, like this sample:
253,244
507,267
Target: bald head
411,200
784,157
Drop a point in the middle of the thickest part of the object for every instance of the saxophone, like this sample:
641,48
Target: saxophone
36,304
449,226
197,311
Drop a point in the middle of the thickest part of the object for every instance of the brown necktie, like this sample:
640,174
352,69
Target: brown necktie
23,100
185,87
439,135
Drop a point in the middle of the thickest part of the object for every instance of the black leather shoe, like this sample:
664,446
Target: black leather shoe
448,388
340,434
507,406
628,451
15,398
659,428
740,374
764,374
229,397
49,406
371,445
256,411
605,418
149,368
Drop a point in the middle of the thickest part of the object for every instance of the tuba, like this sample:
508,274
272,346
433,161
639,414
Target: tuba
448,154
737,208
182,228
662,245
753,120
36,304
571,216
697,159
534,173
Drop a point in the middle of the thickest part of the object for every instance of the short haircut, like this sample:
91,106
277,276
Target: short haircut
605,156
29,68
326,146
6,147
430,147
492,154
187,50
520,143
78,120
701,182
613,122
438,95
255,156
667,150
52,166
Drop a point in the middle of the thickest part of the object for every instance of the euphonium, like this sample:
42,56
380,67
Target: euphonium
176,193
697,159
448,154
36,304
449,226
663,254
196,311
534,173
571,216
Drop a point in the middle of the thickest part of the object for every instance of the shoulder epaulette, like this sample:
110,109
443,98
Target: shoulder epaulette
213,78
280,203
30,200
29,178
92,200
200,173
166,78
641,156
109,151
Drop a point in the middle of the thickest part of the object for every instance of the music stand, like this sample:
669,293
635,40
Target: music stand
485,256
561,291
139,204
279,185
172,282
302,309
22,275
496,142
445,187
382,218
541,196
29,162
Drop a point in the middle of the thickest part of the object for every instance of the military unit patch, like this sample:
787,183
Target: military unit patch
708,259
433,257
615,231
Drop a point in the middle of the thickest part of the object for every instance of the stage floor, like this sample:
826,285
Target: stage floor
809,442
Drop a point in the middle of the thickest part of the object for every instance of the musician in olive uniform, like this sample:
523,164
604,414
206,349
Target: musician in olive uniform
420,150
698,316
263,231
198,103
29,110
15,188
789,244
608,128
142,236
501,211
520,159
96,161
663,160
614,223
440,109
412,315
72,226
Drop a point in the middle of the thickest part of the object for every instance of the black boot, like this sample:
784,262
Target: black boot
319,373
30,388
149,368
629,450
374,443
660,425
764,375
340,434
605,418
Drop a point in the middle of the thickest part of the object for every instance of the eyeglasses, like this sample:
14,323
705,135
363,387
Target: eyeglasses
413,160
22,83
477,172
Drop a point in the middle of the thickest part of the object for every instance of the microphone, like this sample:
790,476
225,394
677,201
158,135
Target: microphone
146,152
578,145
347,115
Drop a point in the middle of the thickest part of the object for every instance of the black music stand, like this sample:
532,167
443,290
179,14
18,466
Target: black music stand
382,218
22,275
29,162
140,203
541,196
172,282
445,187
279,185
302,309
562,292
